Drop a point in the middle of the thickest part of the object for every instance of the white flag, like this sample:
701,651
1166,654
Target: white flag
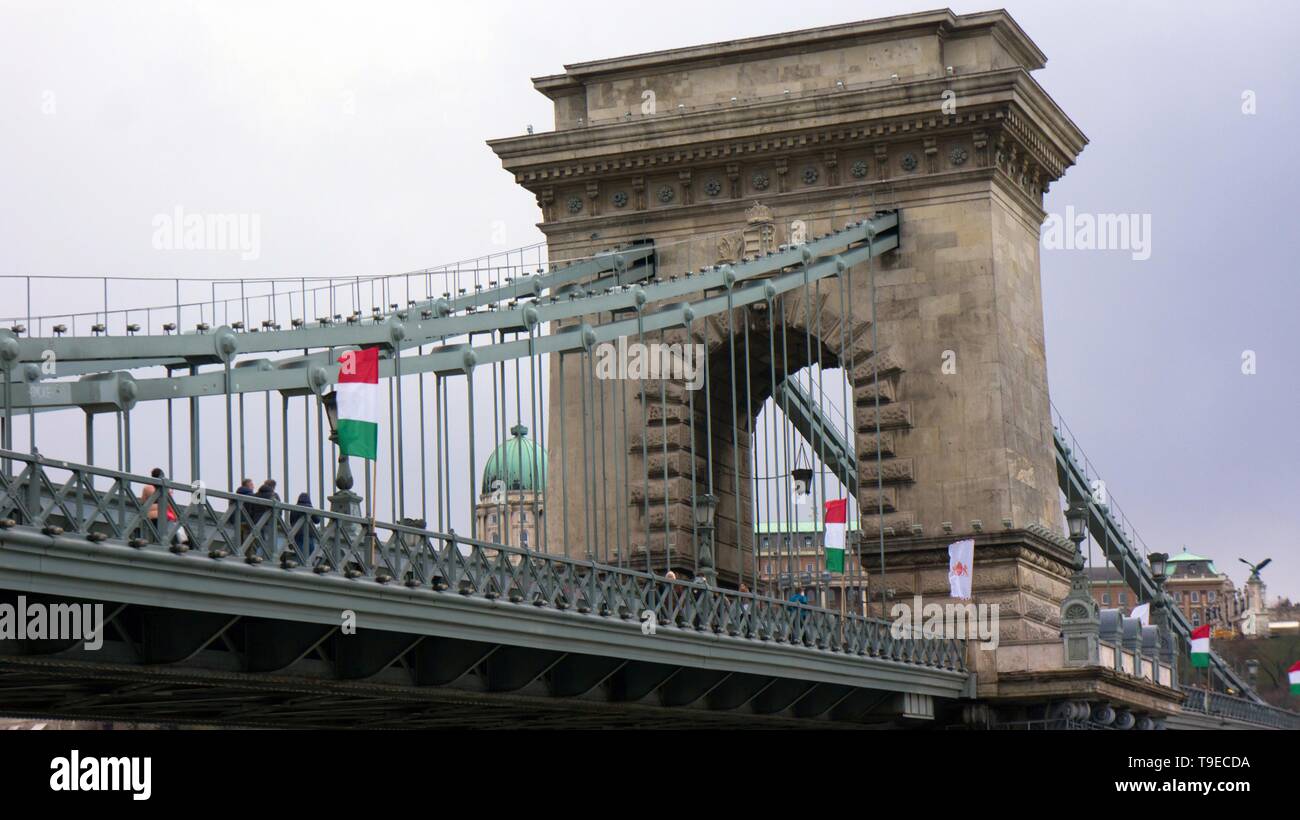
961,557
1142,612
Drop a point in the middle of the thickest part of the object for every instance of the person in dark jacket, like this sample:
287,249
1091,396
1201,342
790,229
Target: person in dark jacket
245,513
265,517
304,537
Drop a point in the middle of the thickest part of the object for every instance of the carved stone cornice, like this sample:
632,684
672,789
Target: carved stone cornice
943,23
905,553
1008,102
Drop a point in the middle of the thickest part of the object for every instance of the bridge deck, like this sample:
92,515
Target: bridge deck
244,612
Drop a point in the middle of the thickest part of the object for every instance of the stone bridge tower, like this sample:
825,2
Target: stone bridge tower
720,151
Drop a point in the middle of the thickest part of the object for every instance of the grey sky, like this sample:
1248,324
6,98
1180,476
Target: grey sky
356,132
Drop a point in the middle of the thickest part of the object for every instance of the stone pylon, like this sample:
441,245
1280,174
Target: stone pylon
718,152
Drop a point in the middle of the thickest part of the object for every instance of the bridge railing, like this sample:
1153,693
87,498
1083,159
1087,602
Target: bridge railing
1230,707
186,301
122,510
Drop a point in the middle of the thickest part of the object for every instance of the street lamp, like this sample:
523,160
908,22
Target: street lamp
1159,566
1160,573
802,477
1077,518
705,508
1080,615
343,475
344,501
1159,569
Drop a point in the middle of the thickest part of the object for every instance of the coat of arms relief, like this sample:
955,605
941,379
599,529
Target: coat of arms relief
756,238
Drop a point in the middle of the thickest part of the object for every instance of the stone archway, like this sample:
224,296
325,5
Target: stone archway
965,451
684,437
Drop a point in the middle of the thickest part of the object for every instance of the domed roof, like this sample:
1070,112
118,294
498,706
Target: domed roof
517,463
1191,557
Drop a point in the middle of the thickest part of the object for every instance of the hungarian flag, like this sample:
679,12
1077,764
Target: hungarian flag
1294,674
358,403
1201,646
836,518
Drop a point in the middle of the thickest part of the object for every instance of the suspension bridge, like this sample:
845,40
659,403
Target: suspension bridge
542,541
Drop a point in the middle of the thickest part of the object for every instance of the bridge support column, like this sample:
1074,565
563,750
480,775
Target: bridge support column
952,428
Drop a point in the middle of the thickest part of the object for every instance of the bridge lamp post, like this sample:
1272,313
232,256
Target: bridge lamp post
344,501
706,507
1077,517
343,474
1160,573
1080,615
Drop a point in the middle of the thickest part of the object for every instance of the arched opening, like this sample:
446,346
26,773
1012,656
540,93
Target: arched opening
800,435
792,410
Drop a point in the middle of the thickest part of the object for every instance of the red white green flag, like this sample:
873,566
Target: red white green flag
1294,674
1201,646
837,516
358,403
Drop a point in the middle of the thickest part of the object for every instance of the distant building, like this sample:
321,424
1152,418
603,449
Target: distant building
511,506
1282,618
792,555
1204,594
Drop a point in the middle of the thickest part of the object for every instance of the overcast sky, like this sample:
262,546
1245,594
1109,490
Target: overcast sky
356,132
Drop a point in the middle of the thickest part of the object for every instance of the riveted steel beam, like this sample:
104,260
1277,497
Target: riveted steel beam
736,691
441,661
781,695
200,347
820,700
576,675
270,646
690,685
732,287
172,636
635,681
215,345
512,667
1107,534
369,652
821,433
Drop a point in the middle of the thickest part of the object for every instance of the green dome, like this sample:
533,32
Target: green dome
1186,556
517,464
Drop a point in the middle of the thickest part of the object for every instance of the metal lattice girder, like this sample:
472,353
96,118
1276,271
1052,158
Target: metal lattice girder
208,347
1226,709
821,433
63,536
1120,552
746,283
526,287
809,420
202,347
